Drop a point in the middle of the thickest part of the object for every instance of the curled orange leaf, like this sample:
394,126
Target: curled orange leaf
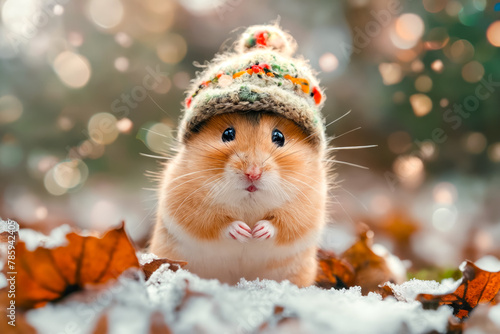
50,274
478,287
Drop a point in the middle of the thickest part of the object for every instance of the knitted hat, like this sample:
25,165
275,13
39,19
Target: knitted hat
259,75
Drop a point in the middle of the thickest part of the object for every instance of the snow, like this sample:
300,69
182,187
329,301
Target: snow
410,289
218,308
4,225
240,309
34,239
494,315
145,258
489,263
394,263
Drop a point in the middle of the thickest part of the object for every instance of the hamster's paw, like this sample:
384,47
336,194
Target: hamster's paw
239,231
263,230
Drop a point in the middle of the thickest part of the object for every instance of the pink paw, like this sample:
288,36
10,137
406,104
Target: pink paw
263,230
239,231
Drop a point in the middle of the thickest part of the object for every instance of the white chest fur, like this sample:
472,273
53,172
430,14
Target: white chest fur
229,260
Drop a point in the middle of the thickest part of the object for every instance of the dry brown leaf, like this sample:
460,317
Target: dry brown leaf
358,265
188,294
158,325
478,287
151,267
371,269
333,272
102,326
280,321
22,326
51,274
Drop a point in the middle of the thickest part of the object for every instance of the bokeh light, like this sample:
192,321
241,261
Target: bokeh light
106,13
437,65
410,170
421,104
428,150
328,62
123,39
443,219
434,6
41,212
444,193
75,38
10,109
417,66
200,7
423,84
408,29
159,138
65,123
475,142
444,102
161,6
58,10
121,64
73,69
493,33
52,186
460,51
453,7
473,71
90,149
125,125
69,174
172,48
437,38
17,16
102,128
391,73
494,152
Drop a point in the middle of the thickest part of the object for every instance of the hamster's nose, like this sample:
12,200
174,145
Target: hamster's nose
253,173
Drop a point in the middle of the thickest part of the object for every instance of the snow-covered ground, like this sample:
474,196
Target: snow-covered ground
189,304
241,309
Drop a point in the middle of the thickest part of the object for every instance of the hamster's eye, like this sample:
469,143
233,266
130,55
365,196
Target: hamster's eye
228,135
278,138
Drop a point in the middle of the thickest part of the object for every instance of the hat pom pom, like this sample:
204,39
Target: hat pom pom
266,36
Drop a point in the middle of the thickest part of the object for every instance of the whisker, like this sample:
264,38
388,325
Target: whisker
338,119
197,189
156,133
343,209
347,163
350,147
188,174
316,190
345,133
352,195
158,105
295,172
155,156
293,185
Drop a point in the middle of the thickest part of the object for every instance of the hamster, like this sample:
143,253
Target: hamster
244,197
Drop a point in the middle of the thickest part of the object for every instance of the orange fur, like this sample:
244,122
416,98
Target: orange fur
192,181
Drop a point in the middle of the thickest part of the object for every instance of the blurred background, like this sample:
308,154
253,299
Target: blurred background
87,86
